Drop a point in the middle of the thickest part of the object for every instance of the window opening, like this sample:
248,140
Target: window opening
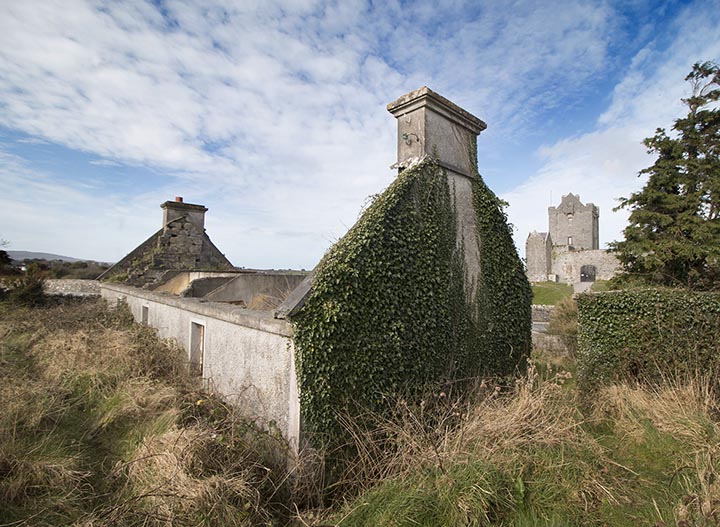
197,348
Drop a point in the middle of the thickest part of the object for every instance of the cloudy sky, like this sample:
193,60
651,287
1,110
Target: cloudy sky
272,114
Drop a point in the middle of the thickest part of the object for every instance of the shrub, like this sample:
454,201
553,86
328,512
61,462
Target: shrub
564,323
646,334
28,290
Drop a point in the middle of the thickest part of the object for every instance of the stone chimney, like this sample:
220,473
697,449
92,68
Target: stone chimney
173,210
429,124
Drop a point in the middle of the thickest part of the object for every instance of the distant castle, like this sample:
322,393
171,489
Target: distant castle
570,252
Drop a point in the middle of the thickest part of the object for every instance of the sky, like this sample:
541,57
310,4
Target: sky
272,114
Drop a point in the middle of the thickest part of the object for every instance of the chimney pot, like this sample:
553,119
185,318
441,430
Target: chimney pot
178,199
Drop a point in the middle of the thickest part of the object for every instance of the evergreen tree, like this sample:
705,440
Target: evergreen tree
673,236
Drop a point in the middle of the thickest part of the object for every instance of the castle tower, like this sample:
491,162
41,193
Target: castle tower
573,224
538,255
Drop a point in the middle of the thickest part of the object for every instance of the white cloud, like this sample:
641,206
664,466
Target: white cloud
603,164
272,113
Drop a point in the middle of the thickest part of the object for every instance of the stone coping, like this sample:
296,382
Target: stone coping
426,97
260,320
183,206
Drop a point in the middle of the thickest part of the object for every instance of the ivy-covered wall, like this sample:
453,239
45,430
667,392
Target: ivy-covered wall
645,334
388,309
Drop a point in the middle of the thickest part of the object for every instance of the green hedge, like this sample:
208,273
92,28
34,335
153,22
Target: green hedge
646,333
387,313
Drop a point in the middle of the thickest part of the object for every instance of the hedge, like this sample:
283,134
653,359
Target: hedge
388,314
647,334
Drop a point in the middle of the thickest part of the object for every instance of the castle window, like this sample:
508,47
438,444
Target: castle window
569,240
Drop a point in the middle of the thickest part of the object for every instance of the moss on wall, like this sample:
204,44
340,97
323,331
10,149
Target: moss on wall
388,310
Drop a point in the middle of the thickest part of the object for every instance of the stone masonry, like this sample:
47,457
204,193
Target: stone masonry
181,244
574,224
570,251
538,253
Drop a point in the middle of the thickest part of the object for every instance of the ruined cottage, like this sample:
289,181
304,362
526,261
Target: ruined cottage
570,252
427,286
180,244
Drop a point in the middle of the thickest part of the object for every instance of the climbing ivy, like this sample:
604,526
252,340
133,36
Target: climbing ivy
388,310
647,335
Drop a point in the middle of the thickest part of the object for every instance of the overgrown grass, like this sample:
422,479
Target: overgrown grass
100,424
550,293
534,457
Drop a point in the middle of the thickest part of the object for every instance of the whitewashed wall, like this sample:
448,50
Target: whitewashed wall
249,357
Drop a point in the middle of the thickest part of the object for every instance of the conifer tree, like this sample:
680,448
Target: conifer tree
673,236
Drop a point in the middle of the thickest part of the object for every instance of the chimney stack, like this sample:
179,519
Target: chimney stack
429,124
173,210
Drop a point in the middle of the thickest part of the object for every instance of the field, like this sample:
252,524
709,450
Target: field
101,425
550,293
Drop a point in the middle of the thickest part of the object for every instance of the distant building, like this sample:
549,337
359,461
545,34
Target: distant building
570,252
180,245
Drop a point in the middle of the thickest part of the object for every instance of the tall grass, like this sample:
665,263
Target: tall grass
102,425
533,456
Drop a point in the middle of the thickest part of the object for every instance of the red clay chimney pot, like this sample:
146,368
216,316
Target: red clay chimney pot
178,199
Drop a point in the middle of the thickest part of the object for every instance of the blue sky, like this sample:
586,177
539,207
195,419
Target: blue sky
272,114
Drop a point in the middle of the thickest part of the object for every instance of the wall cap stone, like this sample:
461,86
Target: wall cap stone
260,320
426,97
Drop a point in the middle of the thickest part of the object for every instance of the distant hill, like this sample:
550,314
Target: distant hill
22,255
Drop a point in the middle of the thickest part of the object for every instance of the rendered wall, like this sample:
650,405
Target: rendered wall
181,280
258,290
249,356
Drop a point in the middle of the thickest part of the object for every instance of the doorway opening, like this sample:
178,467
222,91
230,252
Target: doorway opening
587,273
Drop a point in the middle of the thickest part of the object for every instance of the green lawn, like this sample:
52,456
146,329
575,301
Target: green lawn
550,293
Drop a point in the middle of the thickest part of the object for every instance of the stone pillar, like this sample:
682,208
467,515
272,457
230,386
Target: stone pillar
431,125
173,210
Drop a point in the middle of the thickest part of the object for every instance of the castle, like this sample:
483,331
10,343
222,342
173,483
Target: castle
570,251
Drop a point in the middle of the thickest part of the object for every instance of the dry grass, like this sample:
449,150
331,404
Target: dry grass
101,424
531,456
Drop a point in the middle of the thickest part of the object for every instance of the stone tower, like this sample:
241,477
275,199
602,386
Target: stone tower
538,254
573,224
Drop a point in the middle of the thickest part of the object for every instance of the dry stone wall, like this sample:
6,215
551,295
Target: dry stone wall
71,287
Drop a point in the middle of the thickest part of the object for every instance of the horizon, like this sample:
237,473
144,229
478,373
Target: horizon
273,115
